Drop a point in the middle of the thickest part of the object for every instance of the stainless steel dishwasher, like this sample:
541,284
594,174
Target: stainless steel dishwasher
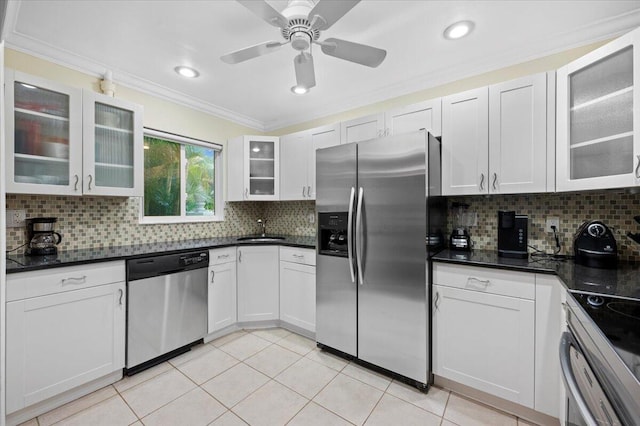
167,307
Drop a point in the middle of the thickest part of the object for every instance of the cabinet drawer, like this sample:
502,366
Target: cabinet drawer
486,280
298,255
58,280
222,255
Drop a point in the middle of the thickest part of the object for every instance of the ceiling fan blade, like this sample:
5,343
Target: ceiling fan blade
251,52
354,52
266,12
326,13
305,74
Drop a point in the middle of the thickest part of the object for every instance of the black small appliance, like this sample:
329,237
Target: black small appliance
512,234
460,239
594,245
43,240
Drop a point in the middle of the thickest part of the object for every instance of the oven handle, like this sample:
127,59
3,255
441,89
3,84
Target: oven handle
566,341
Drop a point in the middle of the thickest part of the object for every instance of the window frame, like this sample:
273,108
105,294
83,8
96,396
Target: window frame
218,174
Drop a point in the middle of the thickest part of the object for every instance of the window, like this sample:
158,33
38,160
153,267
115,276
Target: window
182,179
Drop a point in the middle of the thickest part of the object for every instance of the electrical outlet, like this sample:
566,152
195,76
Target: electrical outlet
16,218
552,221
312,218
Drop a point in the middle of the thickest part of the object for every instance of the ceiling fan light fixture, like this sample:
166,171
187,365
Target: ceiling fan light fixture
186,71
299,89
458,30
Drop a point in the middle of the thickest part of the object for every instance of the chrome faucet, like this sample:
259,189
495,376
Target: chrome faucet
263,223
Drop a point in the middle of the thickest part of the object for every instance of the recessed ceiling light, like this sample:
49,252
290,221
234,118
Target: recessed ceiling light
299,89
186,72
458,30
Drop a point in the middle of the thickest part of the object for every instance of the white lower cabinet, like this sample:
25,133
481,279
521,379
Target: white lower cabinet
498,331
66,332
258,283
481,339
222,300
298,288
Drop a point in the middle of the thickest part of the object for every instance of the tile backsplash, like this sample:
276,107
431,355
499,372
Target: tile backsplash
615,208
96,222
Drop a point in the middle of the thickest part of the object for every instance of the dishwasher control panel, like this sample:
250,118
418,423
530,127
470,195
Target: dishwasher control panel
194,258
163,264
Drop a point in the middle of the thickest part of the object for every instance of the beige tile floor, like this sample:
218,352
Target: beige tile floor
267,377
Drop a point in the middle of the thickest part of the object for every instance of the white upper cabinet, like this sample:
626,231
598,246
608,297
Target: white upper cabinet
518,135
362,128
598,145
465,142
253,168
495,140
65,141
298,160
113,155
44,136
422,116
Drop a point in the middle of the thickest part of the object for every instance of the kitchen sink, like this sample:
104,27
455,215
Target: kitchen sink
259,239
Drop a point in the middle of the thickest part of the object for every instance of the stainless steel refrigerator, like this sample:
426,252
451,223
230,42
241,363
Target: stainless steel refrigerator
378,203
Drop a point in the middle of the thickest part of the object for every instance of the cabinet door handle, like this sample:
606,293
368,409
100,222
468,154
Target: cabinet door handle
638,167
75,185
303,196
240,256
436,302
74,280
121,295
213,274
495,179
223,256
246,193
481,181
90,180
309,191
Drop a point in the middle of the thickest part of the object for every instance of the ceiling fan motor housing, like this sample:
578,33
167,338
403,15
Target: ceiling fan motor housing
299,30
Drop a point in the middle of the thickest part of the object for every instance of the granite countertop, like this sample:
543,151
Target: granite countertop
623,282
22,263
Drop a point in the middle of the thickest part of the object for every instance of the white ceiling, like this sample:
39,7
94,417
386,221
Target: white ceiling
142,42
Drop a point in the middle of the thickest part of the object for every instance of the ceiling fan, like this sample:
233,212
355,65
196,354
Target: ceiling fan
300,24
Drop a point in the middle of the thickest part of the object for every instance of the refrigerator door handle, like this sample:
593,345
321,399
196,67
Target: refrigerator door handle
352,199
359,235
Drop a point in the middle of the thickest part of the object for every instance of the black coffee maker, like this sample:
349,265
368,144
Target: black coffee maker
512,234
43,240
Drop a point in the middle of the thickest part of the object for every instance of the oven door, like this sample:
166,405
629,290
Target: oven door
587,404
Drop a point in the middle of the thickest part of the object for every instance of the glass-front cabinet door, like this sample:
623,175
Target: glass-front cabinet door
113,147
598,143
44,136
262,168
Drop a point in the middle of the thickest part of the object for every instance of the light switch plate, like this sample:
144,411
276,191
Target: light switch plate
16,218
